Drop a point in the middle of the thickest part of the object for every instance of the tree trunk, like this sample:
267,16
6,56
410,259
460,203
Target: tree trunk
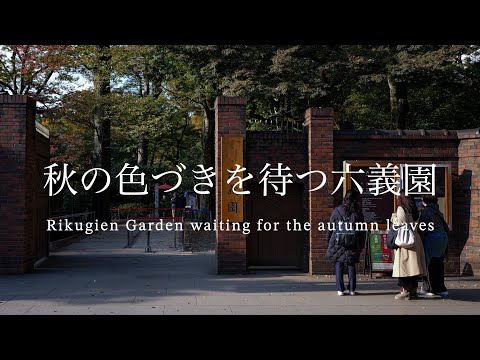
398,101
152,155
147,87
142,149
101,142
208,144
142,153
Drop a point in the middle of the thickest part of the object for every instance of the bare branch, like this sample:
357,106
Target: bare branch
14,72
7,86
181,96
45,81
35,73
4,66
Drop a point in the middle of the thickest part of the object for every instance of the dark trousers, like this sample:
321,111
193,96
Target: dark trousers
352,276
435,280
409,283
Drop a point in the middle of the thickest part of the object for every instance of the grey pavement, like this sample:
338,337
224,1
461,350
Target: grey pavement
98,275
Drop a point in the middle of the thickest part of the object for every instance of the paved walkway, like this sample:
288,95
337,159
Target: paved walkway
97,275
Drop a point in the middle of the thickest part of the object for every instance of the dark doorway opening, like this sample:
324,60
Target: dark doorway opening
280,249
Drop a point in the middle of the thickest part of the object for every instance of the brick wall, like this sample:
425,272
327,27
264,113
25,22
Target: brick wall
322,148
17,142
24,153
467,204
229,122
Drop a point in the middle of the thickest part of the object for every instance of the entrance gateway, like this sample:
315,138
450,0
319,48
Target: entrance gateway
307,145
313,144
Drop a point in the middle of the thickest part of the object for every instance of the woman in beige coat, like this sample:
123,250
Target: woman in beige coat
408,264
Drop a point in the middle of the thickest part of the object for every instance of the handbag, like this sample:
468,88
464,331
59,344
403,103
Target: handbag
405,237
391,236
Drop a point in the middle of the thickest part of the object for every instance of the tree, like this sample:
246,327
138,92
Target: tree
39,71
71,142
134,65
96,60
149,102
169,129
408,68
71,127
293,78
194,74
280,82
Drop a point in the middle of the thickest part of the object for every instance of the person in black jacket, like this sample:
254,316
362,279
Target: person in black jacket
350,210
435,243
180,204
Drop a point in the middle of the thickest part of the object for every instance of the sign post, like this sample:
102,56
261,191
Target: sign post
232,154
381,257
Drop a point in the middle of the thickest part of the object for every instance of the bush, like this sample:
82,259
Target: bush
129,210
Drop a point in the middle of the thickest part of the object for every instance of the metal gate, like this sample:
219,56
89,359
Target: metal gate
275,249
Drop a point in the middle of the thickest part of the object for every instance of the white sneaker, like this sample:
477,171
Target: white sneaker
353,293
429,294
340,293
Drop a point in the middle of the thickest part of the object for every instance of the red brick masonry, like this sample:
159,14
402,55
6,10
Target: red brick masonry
323,148
23,202
24,205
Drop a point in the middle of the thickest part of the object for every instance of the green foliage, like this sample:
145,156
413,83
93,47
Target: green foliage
71,130
128,210
367,108
161,101
132,205
435,81
161,104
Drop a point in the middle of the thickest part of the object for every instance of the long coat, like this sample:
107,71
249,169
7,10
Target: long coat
435,243
408,262
338,253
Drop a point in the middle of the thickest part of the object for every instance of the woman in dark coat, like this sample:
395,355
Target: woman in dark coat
435,243
339,254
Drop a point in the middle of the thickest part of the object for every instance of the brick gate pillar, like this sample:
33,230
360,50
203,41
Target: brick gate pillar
466,208
230,117
17,154
320,157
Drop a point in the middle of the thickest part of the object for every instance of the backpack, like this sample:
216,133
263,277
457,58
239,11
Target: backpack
344,237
